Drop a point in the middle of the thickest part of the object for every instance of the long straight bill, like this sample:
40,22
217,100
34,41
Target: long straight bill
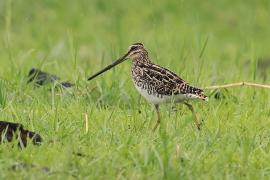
108,67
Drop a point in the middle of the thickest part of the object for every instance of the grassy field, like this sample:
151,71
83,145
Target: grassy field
74,39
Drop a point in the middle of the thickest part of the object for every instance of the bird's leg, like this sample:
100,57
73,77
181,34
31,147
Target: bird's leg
158,117
190,107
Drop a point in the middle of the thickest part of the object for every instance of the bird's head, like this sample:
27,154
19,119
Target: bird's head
135,51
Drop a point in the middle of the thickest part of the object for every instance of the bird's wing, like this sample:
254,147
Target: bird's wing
165,82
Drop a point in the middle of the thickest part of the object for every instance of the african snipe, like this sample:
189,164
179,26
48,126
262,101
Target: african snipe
157,84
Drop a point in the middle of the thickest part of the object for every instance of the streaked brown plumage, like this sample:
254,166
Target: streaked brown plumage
157,84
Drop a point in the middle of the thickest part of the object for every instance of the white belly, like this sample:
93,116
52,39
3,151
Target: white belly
153,98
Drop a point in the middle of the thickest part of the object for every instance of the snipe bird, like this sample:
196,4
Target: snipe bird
157,84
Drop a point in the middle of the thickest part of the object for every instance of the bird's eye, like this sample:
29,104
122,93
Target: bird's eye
133,48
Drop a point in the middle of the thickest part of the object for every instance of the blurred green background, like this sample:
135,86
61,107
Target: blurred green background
205,42
52,34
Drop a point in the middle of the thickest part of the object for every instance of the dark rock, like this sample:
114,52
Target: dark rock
41,78
9,131
67,84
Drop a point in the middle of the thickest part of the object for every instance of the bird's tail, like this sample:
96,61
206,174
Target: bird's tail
203,97
198,93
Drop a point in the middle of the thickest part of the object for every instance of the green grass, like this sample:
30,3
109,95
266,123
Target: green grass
206,42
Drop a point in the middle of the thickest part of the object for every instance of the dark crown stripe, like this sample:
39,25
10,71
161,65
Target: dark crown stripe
137,44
